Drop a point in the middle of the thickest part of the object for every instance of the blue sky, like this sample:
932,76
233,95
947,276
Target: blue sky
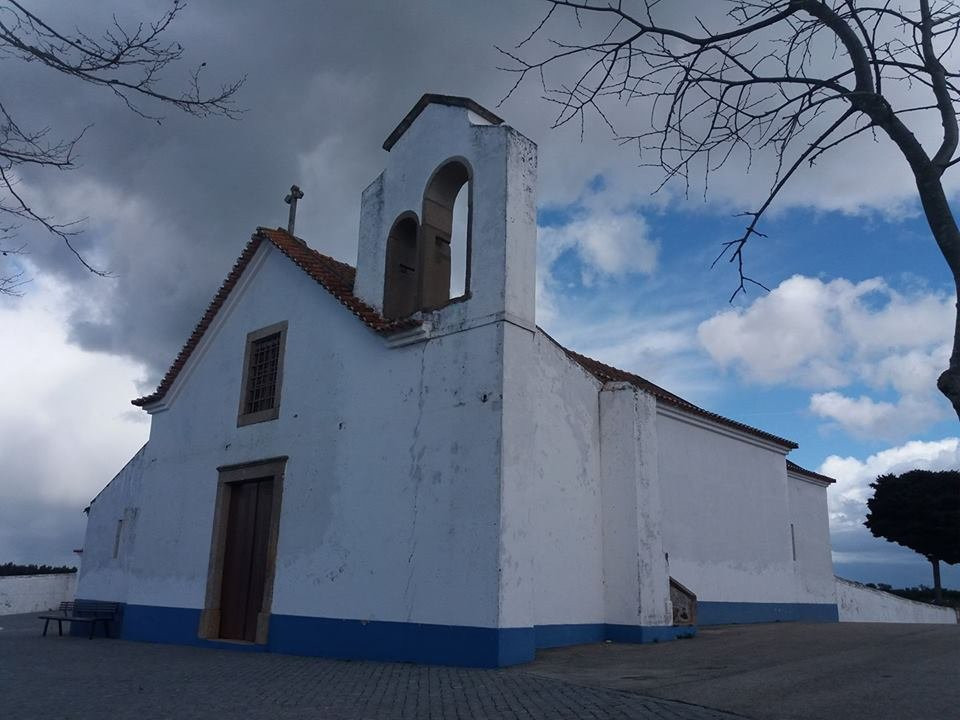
840,356
889,264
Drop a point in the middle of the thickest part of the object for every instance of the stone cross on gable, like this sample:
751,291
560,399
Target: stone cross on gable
291,200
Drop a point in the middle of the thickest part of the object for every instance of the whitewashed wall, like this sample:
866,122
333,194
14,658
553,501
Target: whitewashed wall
567,521
391,493
858,603
35,593
111,534
726,523
813,565
636,577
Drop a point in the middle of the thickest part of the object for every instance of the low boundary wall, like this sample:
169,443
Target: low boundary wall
35,593
859,603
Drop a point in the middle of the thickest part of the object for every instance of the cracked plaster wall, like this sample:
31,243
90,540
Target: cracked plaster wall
566,538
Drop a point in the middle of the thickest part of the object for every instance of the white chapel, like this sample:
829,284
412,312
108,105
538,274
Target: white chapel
351,463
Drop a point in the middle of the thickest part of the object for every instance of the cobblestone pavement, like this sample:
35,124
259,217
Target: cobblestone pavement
68,678
783,671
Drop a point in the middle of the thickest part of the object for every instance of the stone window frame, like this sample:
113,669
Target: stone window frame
229,475
245,418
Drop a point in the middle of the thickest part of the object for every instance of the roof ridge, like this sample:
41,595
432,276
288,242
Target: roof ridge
791,465
609,373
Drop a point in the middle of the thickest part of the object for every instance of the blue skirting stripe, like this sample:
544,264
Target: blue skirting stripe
151,623
729,613
648,633
173,626
411,642
390,641
548,636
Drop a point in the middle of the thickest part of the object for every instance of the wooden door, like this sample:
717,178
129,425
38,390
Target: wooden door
245,558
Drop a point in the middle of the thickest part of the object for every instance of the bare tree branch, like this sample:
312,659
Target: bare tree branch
126,61
774,76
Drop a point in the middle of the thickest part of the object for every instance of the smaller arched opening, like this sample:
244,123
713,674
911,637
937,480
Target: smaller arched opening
401,279
445,242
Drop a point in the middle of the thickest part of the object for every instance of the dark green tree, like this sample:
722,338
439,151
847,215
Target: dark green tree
919,509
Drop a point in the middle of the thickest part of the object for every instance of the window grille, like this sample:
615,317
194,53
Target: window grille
262,374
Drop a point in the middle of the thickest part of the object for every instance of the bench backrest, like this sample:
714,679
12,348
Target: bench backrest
90,608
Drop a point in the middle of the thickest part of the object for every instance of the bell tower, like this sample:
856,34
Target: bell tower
406,217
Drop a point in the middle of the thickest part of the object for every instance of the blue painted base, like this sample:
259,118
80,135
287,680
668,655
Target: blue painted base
390,641
729,613
410,642
548,636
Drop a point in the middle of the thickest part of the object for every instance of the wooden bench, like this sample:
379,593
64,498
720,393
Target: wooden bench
89,612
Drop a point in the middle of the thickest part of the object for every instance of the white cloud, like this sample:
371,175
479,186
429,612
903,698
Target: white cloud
847,499
609,242
829,335
858,414
612,241
787,334
64,426
909,372
660,346
865,417
616,243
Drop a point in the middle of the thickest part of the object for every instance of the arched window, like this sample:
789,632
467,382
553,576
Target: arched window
401,280
459,242
437,237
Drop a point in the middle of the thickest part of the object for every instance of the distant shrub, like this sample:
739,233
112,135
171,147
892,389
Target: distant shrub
7,569
922,593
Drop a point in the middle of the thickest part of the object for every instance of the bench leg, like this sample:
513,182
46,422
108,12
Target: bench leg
45,625
93,626
60,628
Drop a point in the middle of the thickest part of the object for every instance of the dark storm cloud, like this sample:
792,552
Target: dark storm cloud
171,204
34,530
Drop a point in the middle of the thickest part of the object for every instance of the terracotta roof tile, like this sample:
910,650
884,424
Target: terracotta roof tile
793,467
608,373
336,277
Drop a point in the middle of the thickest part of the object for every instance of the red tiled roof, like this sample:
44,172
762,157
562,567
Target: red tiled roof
335,277
793,467
607,373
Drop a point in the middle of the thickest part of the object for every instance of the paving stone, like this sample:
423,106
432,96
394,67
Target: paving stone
67,678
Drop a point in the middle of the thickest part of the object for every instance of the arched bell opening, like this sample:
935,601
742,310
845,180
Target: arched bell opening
445,235
401,283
